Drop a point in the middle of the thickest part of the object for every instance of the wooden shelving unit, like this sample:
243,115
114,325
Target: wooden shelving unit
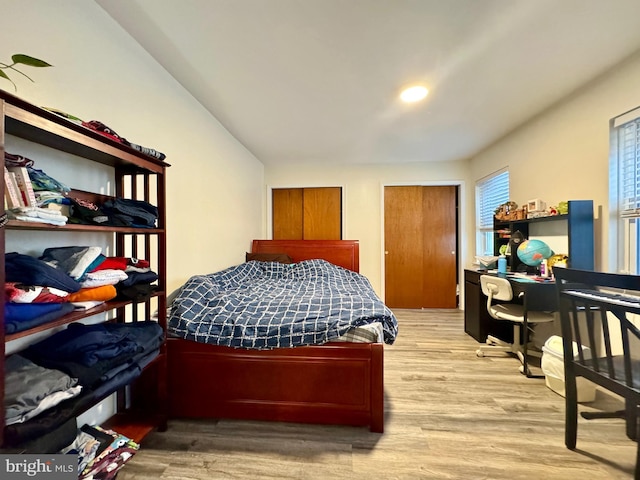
136,176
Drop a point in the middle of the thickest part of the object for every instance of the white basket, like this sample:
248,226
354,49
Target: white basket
552,365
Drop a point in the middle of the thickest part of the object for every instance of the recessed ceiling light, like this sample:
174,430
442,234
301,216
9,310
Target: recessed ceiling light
414,94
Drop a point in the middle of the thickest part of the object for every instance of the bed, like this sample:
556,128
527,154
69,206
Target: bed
333,383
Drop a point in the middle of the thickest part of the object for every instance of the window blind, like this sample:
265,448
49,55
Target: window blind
491,192
628,151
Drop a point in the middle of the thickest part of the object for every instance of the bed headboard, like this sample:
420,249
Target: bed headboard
344,253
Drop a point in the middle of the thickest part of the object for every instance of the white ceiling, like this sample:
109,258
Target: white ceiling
317,80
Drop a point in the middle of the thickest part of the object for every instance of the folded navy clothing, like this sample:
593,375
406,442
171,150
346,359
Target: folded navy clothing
134,278
88,377
29,270
85,344
119,380
148,358
88,344
23,316
138,293
105,369
148,335
135,212
108,375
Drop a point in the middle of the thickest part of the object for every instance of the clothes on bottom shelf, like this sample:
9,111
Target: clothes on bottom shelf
99,358
30,389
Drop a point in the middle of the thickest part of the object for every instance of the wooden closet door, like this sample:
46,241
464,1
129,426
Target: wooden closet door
440,245
403,234
307,213
420,246
287,212
322,218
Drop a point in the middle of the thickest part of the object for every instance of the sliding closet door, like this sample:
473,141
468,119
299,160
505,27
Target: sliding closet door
420,246
307,213
404,237
287,214
322,218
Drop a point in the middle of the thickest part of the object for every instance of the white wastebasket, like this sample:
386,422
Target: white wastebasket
552,365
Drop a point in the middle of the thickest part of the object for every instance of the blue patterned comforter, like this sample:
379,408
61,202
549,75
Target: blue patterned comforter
265,305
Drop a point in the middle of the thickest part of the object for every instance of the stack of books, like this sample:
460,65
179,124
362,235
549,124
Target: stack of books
18,191
21,203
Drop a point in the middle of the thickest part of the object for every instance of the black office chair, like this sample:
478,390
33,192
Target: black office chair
595,309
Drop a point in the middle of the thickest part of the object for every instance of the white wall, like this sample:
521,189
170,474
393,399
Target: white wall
362,192
214,186
563,154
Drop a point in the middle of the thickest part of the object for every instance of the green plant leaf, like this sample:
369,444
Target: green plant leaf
27,60
5,76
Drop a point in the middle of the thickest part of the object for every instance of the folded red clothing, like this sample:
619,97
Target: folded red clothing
19,293
121,263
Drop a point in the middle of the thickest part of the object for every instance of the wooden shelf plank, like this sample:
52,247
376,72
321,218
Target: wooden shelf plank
135,426
20,225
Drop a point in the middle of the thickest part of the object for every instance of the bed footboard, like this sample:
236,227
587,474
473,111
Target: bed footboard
335,383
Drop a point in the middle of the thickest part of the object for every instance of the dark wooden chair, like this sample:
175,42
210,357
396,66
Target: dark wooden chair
600,343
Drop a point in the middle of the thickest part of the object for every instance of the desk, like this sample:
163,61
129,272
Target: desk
477,321
537,295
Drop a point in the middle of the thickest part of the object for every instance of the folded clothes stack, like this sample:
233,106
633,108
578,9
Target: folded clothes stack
38,215
54,203
41,290
30,389
73,368
118,212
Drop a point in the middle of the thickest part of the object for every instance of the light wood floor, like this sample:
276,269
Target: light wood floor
449,415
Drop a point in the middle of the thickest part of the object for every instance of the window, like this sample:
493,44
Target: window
491,192
624,192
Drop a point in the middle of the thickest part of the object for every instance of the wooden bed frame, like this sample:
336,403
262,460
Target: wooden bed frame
335,383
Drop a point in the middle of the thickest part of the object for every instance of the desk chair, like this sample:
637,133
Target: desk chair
498,288
596,308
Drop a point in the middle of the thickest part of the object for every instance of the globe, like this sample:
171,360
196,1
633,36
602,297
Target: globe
532,252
